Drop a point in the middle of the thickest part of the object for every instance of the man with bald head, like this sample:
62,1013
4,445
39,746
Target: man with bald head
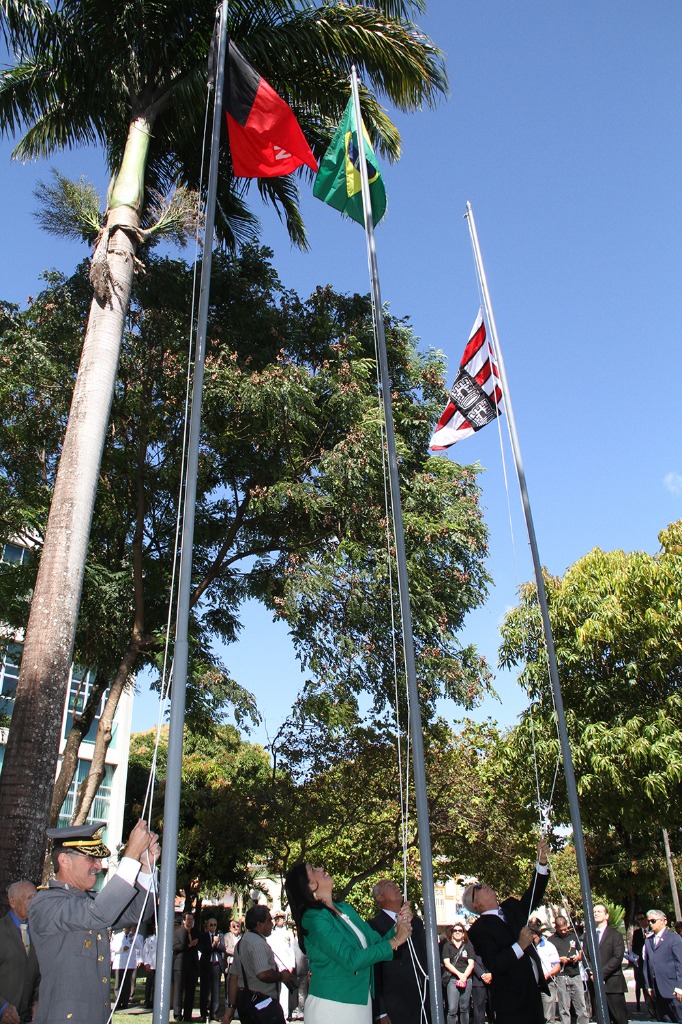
400,983
503,940
19,971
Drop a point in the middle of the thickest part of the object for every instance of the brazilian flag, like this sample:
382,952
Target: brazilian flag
338,179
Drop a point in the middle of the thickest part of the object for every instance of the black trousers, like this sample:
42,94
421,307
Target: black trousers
618,1010
149,989
184,987
667,1009
209,989
123,986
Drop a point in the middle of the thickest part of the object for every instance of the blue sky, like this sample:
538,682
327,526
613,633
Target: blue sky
562,129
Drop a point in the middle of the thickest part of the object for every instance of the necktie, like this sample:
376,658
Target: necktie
23,928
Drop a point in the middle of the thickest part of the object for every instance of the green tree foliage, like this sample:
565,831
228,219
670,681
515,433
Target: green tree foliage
131,77
337,802
224,783
616,620
85,73
290,491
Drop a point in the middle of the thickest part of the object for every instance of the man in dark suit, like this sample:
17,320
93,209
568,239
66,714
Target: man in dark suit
501,937
611,953
663,967
211,966
185,967
19,971
400,983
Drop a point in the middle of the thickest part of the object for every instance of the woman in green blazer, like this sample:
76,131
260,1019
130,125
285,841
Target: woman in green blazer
340,947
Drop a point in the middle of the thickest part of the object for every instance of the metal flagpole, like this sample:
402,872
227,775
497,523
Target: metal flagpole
171,814
425,855
572,791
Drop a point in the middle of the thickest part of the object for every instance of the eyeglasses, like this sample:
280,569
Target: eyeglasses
458,929
653,920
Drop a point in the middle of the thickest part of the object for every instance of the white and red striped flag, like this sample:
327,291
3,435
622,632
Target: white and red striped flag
476,396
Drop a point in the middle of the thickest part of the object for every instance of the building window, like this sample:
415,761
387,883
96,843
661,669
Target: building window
99,812
14,554
9,673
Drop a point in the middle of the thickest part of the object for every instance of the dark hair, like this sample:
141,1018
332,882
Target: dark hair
256,915
300,898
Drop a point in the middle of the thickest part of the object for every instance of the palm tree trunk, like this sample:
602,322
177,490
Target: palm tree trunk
30,762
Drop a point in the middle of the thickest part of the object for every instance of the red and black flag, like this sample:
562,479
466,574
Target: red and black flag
266,140
476,396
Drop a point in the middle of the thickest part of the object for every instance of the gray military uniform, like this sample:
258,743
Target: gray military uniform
69,930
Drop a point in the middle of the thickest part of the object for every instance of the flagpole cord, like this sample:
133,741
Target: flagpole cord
569,773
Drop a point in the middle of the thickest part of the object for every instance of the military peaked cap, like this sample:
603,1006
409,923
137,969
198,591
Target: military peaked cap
85,839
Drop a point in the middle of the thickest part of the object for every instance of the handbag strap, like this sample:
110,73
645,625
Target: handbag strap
241,968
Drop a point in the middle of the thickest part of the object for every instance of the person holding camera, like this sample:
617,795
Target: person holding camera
569,984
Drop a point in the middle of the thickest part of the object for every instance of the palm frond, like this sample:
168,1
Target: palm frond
69,209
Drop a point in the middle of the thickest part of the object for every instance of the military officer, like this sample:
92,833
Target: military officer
68,923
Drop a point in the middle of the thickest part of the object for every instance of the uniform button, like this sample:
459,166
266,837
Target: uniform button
98,936
87,943
100,958
69,1015
104,981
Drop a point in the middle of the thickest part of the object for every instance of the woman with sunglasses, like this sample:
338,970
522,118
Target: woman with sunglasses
340,946
458,961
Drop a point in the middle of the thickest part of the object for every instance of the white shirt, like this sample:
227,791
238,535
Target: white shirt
549,955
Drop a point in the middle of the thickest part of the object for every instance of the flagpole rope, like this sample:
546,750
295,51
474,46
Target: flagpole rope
402,774
543,807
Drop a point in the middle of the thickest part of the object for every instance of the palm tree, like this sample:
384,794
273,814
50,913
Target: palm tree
132,77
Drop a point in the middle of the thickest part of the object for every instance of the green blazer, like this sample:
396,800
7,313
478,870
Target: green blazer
340,969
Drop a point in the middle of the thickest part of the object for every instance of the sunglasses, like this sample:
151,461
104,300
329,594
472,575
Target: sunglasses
653,920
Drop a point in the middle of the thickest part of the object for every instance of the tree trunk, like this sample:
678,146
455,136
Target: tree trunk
28,774
91,783
79,729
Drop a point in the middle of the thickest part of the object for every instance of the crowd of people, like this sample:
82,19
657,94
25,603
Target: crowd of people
60,946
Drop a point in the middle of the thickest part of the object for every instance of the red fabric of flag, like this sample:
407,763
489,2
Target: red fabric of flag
266,140
476,396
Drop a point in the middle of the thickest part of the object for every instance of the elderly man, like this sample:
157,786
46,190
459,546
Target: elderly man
68,924
400,983
253,969
503,940
19,971
611,953
211,967
663,967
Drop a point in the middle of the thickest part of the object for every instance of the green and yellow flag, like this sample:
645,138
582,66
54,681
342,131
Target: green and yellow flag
338,179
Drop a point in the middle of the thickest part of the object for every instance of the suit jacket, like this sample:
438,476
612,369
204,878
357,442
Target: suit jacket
19,974
206,949
340,969
185,957
398,985
515,992
663,963
69,930
611,953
